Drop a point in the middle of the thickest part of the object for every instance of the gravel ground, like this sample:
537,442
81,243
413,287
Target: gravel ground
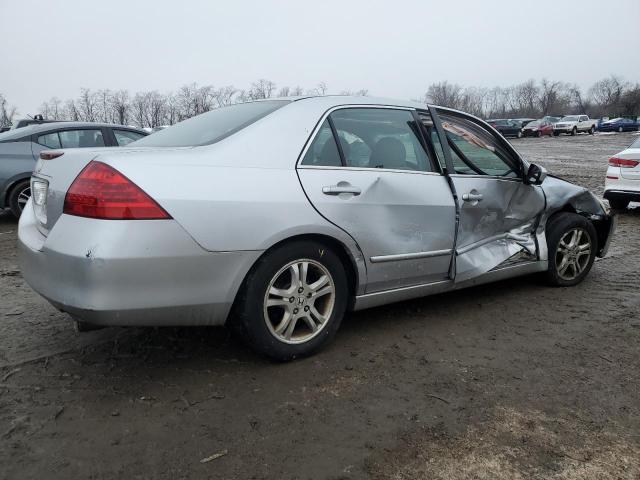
504,381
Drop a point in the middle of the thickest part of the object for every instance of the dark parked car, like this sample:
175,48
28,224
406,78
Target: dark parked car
21,147
538,128
507,127
619,125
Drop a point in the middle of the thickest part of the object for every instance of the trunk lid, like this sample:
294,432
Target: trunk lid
60,173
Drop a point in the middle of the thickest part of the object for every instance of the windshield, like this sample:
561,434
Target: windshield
614,120
212,126
535,123
570,118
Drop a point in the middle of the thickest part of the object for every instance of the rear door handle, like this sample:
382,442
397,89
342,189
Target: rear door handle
338,189
472,197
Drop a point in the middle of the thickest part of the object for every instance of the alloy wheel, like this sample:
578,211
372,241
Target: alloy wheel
23,197
299,301
573,253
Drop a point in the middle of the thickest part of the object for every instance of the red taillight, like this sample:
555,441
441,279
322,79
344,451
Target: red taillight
48,155
100,191
623,162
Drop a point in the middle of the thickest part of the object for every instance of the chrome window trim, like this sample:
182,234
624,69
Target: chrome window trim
494,177
326,114
367,169
409,256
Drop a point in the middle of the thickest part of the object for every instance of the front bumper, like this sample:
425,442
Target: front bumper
134,273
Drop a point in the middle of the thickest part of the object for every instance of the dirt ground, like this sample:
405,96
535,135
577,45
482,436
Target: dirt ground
505,381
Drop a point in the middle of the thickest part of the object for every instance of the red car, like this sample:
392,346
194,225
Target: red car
538,128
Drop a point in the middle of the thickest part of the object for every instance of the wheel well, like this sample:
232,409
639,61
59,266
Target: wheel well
601,226
338,247
9,190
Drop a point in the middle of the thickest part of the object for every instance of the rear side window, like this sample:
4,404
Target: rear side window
50,140
213,126
125,137
81,138
370,138
323,151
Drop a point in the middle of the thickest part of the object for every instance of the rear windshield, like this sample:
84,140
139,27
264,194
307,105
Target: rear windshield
211,127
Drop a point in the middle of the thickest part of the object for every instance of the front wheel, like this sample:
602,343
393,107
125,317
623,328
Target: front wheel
592,130
572,245
574,131
620,129
19,197
519,134
293,300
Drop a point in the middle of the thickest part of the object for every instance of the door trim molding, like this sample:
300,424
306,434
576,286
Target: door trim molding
409,256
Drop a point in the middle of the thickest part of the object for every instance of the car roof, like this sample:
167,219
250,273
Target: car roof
338,100
46,127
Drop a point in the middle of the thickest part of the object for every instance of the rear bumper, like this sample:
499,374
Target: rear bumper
135,273
633,196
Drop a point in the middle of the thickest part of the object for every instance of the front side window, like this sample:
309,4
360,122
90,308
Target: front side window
474,150
125,137
50,140
81,138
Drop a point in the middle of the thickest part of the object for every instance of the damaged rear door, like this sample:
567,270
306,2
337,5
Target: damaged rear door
367,171
498,212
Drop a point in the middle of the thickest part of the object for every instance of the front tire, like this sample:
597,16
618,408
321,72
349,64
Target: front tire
592,130
519,134
574,131
620,129
293,301
19,196
572,245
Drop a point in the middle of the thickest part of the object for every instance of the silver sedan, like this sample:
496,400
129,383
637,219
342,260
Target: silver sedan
276,217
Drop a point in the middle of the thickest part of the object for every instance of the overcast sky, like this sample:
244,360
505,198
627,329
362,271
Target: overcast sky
392,48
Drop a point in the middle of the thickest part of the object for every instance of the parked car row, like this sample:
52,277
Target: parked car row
569,125
20,149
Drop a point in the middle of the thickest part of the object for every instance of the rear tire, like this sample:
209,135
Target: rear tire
620,129
519,134
18,197
574,131
280,313
555,134
592,130
572,244
538,134
619,204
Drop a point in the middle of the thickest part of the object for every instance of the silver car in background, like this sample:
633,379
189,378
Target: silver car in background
276,217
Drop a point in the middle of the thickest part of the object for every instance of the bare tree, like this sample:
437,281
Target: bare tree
261,89
444,94
120,106
7,113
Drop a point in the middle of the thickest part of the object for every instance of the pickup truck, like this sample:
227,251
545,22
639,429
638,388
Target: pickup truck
573,124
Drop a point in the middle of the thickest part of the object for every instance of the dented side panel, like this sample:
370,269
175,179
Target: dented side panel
404,222
498,228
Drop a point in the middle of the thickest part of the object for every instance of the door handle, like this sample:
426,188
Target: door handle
472,197
338,189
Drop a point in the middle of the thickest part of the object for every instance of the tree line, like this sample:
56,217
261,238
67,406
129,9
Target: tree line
610,96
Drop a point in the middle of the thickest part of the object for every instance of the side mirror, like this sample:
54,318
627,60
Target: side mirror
535,175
